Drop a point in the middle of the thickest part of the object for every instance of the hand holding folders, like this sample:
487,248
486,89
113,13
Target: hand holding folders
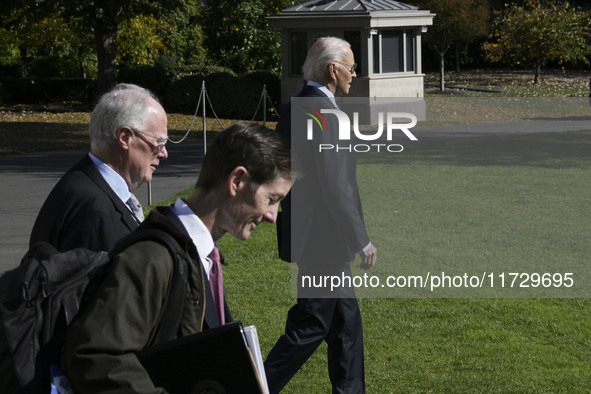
225,359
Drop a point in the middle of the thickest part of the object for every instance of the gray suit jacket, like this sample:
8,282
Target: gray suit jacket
322,218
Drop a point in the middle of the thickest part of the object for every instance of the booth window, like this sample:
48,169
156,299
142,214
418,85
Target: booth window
393,51
354,38
299,50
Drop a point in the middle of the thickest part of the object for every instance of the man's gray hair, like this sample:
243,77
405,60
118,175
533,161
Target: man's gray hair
323,52
124,105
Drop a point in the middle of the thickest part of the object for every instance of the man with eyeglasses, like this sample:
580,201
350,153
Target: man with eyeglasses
321,229
92,205
245,174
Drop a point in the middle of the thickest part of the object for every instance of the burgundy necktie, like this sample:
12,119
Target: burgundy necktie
217,283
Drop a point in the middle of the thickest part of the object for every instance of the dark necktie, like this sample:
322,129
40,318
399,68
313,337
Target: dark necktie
217,283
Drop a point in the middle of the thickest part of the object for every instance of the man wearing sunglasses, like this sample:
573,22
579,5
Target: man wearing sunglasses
92,205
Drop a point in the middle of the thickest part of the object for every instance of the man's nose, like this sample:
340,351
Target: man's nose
271,215
163,154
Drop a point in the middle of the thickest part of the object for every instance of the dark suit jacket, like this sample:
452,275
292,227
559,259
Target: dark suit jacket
82,211
323,208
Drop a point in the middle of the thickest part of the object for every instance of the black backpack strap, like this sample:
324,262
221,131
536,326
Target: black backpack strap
173,310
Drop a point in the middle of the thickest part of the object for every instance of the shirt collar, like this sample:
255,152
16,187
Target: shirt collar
197,231
113,179
324,90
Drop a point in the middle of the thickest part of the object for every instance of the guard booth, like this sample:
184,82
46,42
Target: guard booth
385,37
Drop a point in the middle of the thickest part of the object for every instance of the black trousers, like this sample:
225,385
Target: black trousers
311,321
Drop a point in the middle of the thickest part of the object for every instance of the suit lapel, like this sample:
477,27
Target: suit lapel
211,317
93,173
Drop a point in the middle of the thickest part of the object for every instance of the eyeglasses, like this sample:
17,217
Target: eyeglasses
352,66
161,140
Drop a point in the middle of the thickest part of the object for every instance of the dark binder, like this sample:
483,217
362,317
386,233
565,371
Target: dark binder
214,361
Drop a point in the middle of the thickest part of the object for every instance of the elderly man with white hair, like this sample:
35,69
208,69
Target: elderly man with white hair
322,229
92,205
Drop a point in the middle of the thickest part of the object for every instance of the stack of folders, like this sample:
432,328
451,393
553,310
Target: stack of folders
221,360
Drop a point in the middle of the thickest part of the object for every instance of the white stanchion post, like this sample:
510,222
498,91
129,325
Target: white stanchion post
204,120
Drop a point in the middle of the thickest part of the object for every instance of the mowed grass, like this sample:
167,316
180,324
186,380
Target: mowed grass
503,203
514,83
497,202
490,204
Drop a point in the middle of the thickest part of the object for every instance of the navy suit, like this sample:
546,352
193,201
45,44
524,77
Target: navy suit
83,211
321,228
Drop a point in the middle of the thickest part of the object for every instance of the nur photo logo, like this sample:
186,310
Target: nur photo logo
318,118
392,122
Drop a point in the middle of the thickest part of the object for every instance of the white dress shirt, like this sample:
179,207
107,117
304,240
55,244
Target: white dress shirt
197,231
113,179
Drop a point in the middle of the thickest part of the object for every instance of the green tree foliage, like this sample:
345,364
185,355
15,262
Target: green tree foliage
456,21
54,46
100,17
183,35
49,44
540,32
9,51
139,41
79,38
238,36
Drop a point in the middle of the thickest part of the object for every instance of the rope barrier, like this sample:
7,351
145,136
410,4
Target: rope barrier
263,99
202,96
205,97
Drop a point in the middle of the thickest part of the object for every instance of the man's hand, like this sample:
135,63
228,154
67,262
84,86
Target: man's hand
368,258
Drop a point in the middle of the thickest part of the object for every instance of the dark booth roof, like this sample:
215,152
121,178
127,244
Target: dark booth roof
357,6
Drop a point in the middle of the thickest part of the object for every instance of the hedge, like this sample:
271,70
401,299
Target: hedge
230,95
47,90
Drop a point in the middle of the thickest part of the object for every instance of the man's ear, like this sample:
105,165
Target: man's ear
123,137
237,179
332,71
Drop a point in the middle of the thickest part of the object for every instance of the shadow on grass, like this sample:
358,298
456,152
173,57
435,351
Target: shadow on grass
31,137
546,150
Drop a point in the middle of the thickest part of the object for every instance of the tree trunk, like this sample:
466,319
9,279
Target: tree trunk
105,34
458,57
537,77
441,71
106,50
81,63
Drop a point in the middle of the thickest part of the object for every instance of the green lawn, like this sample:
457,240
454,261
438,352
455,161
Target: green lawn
494,203
500,203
